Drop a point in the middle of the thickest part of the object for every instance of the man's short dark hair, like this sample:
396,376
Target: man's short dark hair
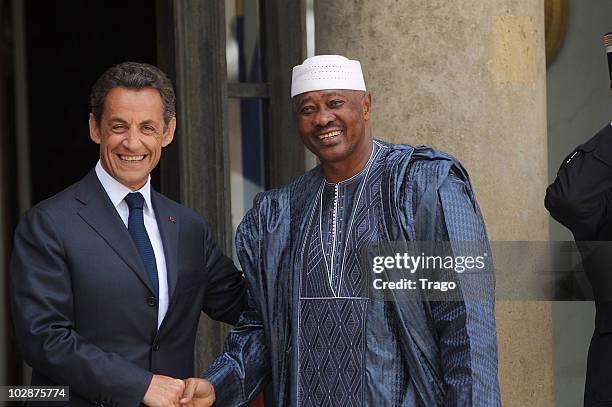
132,75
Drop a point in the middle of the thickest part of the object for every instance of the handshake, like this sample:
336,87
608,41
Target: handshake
166,391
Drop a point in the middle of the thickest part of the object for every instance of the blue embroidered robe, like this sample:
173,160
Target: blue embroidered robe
414,353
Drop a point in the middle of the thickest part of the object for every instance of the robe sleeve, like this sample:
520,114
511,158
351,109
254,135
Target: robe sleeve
241,372
466,329
437,204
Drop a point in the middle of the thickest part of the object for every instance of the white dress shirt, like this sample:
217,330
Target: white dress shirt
117,192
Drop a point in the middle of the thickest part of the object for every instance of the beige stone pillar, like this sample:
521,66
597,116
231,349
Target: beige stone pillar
467,77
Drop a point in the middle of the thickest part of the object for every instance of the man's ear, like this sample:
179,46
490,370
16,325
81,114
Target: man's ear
94,131
169,132
367,105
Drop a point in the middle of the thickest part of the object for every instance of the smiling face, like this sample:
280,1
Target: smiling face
335,126
131,134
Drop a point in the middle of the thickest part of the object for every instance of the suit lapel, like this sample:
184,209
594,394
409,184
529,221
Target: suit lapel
168,224
99,213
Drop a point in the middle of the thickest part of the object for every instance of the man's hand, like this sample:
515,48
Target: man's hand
198,393
164,391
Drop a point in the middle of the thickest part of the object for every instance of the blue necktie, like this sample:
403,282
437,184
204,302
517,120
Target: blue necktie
139,234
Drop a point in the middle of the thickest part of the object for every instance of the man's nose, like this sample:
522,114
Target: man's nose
323,117
132,138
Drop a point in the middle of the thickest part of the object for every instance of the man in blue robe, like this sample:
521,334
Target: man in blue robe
316,331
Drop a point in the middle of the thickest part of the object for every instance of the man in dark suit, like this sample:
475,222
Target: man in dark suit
108,277
581,199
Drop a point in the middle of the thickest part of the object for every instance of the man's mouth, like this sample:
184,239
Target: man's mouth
328,135
131,158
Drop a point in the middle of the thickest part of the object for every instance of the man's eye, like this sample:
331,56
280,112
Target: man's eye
119,128
307,110
148,129
336,103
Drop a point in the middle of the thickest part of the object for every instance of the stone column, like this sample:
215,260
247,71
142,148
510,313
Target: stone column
468,78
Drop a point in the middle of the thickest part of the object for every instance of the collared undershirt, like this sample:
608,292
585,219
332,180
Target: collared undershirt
117,192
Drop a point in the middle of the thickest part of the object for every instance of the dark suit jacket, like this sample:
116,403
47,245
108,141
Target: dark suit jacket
581,199
84,312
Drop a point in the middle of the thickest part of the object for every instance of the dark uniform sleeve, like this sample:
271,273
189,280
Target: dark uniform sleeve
580,194
580,198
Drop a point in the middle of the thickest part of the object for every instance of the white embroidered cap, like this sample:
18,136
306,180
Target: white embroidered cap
327,72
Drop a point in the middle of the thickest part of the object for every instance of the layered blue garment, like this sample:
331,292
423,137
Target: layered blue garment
315,330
